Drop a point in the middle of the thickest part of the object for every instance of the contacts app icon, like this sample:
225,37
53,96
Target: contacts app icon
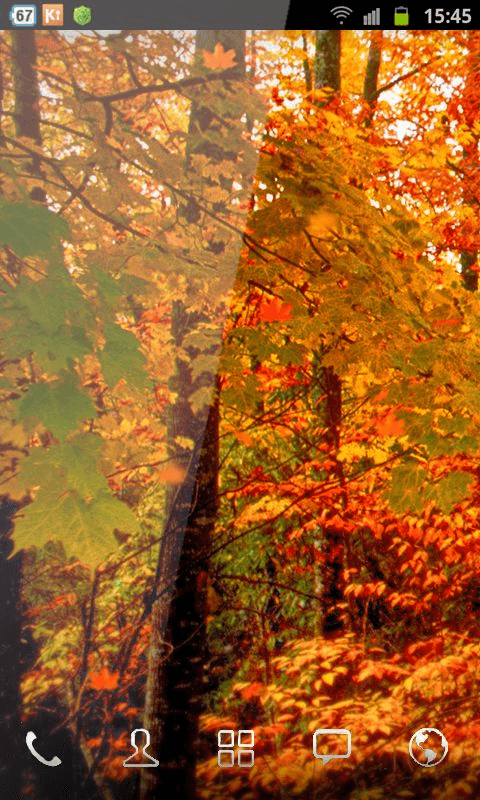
330,743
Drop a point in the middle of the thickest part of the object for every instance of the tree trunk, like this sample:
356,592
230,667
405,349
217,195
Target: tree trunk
330,584
175,682
27,97
469,102
13,653
11,760
370,84
327,60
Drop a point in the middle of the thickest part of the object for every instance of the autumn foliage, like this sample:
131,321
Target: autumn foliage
341,584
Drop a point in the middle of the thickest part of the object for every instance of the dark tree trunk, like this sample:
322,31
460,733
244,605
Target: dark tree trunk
175,683
27,98
370,84
469,165
327,60
330,585
11,656
15,652
27,109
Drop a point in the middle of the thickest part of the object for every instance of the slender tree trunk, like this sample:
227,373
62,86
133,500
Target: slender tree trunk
175,682
330,584
11,761
27,98
12,653
470,101
370,84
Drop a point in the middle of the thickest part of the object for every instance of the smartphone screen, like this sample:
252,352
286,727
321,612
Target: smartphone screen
239,429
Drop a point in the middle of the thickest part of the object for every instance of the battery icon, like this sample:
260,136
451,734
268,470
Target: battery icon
401,17
23,16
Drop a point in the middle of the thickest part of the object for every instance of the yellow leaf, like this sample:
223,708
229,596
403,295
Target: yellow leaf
329,678
321,223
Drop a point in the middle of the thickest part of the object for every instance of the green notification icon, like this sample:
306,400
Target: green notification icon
82,15
401,17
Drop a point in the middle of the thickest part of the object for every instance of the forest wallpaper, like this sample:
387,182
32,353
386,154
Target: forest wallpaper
240,414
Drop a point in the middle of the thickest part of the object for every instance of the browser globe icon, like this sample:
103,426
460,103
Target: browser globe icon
428,747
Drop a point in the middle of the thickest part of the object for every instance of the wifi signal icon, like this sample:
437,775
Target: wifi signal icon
341,13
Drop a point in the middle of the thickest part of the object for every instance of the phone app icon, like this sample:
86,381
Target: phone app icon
53,762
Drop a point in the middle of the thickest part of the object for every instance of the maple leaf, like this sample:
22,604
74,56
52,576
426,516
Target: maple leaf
275,311
104,679
390,425
219,59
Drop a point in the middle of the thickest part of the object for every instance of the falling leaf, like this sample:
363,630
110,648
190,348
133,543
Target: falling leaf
104,679
173,475
245,438
275,311
219,59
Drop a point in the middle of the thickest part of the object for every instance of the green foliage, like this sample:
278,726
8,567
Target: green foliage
59,406
30,229
85,529
121,358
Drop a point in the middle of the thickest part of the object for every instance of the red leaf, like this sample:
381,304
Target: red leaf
251,691
104,679
275,311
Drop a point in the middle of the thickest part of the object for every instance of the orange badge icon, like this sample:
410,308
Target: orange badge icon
52,14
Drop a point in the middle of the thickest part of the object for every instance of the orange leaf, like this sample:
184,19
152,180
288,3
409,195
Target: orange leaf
243,437
252,690
173,475
390,425
275,311
104,679
219,59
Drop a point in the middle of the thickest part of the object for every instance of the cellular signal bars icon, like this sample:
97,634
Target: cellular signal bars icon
372,18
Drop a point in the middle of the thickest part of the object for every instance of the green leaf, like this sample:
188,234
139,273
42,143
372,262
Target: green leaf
85,530
201,399
450,490
108,513
48,302
29,228
406,490
121,358
70,465
204,364
52,352
59,406
107,288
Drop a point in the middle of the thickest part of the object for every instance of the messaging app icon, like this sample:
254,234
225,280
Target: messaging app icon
330,743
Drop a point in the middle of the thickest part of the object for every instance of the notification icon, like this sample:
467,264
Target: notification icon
52,14
23,16
330,743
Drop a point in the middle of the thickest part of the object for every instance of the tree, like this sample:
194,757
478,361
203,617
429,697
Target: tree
175,684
